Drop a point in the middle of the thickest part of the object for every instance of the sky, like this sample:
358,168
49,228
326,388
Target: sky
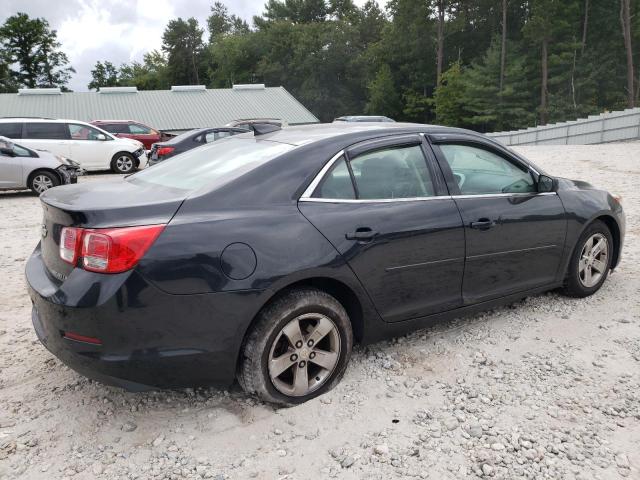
118,31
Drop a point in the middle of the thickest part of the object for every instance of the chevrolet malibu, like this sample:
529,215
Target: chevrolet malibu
265,257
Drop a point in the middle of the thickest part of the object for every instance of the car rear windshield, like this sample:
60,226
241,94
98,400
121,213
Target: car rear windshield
213,165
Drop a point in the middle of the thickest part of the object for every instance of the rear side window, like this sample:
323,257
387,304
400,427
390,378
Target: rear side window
392,173
115,127
214,165
337,183
11,130
46,131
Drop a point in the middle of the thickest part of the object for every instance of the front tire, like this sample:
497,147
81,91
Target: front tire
590,262
298,349
41,181
123,162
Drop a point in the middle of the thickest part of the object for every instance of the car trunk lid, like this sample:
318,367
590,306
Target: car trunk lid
101,205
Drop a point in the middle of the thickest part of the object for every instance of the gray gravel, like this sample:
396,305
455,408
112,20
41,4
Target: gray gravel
545,388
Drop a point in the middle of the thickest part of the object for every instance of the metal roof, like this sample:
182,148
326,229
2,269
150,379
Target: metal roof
178,109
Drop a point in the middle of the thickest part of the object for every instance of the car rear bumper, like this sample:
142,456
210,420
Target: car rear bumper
148,338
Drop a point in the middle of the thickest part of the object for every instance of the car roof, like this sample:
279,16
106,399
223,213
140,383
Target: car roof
40,119
312,133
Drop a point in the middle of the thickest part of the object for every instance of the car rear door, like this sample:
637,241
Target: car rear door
384,206
514,234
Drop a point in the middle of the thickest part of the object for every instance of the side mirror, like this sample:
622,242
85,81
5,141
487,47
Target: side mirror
546,184
101,136
7,152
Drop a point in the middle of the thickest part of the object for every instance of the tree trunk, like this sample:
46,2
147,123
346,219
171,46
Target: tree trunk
584,26
503,50
440,53
625,20
545,79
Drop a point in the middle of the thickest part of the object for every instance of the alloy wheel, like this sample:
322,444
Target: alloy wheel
124,164
304,354
593,262
41,183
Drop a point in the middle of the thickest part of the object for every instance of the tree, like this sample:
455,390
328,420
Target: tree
625,21
449,97
32,51
503,48
182,42
104,75
151,74
220,22
440,41
383,95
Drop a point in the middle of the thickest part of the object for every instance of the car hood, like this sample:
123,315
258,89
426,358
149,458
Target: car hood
569,184
130,141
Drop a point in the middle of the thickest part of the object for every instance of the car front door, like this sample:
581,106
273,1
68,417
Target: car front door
86,147
384,206
514,234
10,167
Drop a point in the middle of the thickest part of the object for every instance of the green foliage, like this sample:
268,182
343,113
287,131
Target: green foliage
182,42
449,97
338,58
104,75
383,95
31,54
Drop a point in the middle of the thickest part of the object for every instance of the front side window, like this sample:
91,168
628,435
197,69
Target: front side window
83,132
478,171
21,151
46,131
213,136
136,129
392,173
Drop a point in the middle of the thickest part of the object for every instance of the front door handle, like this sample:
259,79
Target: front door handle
483,224
362,234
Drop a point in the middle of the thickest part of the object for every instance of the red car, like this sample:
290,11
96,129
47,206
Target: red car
130,129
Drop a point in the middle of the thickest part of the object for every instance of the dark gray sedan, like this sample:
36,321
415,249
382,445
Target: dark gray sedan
193,138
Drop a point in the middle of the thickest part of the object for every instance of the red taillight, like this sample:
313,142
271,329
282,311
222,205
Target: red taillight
110,250
162,151
69,244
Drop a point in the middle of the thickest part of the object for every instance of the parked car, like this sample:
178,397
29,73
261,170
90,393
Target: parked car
130,129
189,140
90,146
364,118
268,256
21,167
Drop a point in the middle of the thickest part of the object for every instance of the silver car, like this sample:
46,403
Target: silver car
22,167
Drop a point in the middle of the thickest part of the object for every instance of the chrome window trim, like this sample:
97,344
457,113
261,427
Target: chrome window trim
425,199
316,181
380,200
497,195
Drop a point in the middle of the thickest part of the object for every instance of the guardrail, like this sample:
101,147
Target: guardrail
604,128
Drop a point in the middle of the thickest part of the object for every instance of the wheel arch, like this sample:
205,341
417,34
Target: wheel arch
35,171
614,228
336,288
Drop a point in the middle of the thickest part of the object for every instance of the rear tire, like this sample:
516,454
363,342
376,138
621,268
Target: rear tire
590,262
298,349
41,181
123,162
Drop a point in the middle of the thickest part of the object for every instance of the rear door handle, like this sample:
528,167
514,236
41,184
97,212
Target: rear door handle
483,224
361,234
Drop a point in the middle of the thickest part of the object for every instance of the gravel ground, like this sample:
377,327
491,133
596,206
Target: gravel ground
545,388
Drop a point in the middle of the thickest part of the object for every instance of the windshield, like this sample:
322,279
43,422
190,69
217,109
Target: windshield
213,165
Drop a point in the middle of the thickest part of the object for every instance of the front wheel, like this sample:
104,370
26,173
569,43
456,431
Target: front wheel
123,162
298,349
42,181
590,262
